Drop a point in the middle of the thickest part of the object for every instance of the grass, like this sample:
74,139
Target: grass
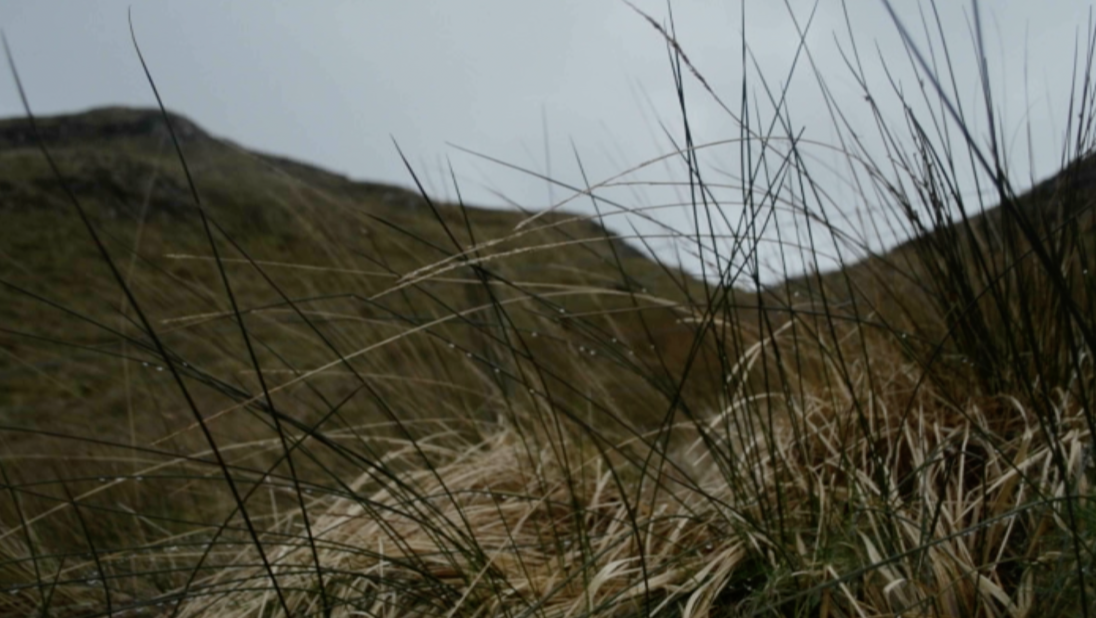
271,391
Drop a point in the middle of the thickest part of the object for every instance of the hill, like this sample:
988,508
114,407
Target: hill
966,292
344,287
269,388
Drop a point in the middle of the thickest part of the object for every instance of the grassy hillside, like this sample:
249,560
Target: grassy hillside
264,389
373,314
302,249
979,293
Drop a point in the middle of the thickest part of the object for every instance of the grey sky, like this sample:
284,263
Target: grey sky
332,82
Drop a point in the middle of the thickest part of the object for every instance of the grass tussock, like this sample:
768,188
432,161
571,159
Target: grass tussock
362,402
952,512
501,529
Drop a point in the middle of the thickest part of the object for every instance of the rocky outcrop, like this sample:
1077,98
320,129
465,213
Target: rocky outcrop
98,125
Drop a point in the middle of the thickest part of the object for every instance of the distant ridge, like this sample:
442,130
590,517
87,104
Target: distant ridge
99,124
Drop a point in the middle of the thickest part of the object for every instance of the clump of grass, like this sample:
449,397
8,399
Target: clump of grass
911,434
935,515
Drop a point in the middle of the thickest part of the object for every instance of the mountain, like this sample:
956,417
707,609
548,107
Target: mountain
467,404
967,291
321,268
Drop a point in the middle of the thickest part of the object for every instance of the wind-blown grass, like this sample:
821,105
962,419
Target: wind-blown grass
458,429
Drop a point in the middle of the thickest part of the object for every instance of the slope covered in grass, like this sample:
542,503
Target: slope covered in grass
373,315
359,262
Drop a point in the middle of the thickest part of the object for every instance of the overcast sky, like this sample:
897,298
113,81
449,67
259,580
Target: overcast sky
332,83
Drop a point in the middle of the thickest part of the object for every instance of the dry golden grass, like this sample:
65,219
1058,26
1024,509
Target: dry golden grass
931,511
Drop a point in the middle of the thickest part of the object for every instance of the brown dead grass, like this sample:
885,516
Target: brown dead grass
939,511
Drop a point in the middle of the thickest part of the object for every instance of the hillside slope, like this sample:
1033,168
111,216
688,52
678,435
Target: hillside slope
965,293
278,383
321,269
